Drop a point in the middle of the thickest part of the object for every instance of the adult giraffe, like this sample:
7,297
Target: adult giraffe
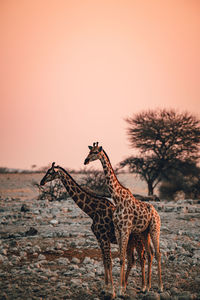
131,216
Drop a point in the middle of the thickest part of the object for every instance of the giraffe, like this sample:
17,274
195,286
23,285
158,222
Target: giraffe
131,216
100,210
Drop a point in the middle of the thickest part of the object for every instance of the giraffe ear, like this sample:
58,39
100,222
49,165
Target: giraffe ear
100,148
90,147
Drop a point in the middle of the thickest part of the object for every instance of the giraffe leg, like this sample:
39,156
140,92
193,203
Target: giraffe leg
149,250
135,242
158,258
141,254
104,244
155,235
112,288
123,247
130,257
107,261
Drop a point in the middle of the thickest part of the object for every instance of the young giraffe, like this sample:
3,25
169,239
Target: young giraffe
131,216
100,210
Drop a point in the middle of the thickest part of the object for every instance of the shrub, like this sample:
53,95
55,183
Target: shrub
52,191
3,170
95,182
176,185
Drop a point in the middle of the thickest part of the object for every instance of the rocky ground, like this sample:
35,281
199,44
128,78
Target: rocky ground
47,250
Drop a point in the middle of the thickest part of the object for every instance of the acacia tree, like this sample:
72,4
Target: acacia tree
162,138
148,169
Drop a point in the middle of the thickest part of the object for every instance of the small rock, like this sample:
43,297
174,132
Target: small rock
197,254
36,248
151,296
88,260
165,296
76,281
169,209
174,291
29,244
3,251
23,254
15,249
35,254
100,271
31,231
60,252
37,212
54,222
73,267
75,260
44,278
41,257
15,259
53,278
37,265
25,208
58,246
63,261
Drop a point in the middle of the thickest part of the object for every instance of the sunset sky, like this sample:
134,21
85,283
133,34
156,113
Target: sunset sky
71,71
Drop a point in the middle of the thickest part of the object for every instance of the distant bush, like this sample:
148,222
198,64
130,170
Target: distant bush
168,189
3,170
52,191
95,181
179,185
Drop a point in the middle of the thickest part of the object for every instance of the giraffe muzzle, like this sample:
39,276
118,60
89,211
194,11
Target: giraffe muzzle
86,162
42,182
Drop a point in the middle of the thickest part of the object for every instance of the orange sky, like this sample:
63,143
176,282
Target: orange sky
71,71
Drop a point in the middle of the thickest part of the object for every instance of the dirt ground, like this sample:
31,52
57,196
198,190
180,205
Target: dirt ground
25,274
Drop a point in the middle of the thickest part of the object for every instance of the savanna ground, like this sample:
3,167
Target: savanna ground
47,250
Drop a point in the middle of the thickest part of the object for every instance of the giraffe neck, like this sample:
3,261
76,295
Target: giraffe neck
119,193
111,179
79,196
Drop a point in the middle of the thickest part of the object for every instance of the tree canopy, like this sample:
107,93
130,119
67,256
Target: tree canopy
148,169
165,139
166,133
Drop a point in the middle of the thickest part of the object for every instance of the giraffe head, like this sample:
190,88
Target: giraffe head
50,175
94,154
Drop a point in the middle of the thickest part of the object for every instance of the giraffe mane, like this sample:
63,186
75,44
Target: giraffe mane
113,170
107,156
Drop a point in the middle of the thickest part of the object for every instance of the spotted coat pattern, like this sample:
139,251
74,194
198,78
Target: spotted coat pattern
131,216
